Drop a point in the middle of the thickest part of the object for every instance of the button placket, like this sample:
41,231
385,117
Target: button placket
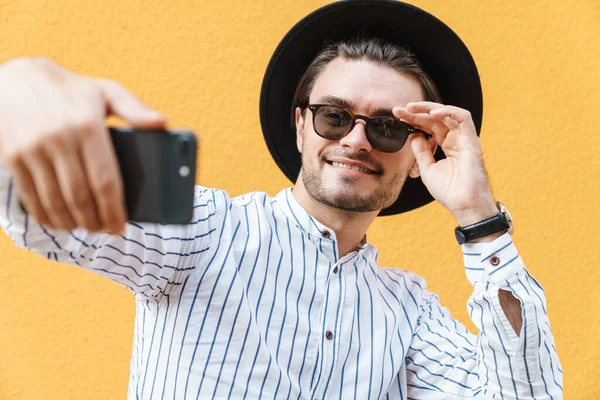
327,244
331,323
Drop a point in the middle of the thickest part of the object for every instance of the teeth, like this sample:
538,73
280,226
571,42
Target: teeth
353,167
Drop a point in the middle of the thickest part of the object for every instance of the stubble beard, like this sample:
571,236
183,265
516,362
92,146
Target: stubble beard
348,196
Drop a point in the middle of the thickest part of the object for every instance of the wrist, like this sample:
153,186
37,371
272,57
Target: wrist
488,238
474,215
488,225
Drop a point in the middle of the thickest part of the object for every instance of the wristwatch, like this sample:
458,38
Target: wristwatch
498,223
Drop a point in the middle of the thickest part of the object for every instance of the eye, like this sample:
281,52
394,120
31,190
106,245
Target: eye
384,126
335,116
387,130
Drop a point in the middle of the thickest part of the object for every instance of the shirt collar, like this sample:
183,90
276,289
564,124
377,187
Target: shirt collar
303,220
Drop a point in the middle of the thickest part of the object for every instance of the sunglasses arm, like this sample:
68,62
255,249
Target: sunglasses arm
423,133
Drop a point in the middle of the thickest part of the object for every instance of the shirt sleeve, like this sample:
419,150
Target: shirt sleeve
497,363
152,260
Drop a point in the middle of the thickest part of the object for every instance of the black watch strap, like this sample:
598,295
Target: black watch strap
480,229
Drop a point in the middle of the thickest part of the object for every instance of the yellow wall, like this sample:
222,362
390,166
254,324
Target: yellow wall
67,334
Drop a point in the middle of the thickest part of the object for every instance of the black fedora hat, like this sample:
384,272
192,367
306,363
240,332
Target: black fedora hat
440,51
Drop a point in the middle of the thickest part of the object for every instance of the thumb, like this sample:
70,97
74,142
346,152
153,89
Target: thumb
422,151
123,104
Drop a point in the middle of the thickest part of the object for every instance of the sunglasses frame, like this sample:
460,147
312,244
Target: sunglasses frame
314,108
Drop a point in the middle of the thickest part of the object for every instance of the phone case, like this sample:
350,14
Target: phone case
159,170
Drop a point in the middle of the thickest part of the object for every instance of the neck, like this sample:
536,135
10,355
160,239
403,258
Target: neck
350,227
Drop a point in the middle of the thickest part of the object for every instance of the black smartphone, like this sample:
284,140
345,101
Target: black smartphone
159,171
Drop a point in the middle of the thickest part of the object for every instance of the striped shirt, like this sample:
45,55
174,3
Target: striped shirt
251,300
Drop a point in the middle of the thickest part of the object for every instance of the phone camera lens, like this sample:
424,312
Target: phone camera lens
184,171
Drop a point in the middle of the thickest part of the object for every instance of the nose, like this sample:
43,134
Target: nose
356,139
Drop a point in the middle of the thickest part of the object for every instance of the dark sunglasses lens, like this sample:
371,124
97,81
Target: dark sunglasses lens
332,122
387,134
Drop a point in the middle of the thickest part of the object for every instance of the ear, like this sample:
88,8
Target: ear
299,118
414,170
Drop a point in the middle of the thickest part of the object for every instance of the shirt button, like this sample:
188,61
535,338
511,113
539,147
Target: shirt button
335,270
495,261
329,335
325,233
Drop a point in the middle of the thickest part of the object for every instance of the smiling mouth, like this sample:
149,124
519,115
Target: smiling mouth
351,167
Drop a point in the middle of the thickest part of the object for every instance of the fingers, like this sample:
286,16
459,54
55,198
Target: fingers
104,177
27,191
423,106
72,180
450,115
63,186
440,111
421,120
48,190
123,104
438,128
100,161
422,151
440,120
55,143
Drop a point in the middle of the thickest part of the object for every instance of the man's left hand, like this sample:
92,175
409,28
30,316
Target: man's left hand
459,182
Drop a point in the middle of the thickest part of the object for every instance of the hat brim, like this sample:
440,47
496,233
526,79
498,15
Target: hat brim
440,51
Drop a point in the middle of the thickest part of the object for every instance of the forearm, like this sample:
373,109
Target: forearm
508,307
511,307
149,259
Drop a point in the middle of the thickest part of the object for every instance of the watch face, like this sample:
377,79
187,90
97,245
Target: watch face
503,210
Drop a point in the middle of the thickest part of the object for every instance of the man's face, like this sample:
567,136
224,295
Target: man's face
364,88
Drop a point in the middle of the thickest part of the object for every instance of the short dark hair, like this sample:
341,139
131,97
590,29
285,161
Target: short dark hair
368,49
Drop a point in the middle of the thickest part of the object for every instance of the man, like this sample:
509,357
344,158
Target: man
282,297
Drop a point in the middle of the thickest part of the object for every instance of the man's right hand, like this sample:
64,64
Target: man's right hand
55,144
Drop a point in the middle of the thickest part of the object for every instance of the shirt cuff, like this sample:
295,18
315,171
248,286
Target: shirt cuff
492,262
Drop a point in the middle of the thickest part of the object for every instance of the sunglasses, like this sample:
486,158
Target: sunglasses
385,134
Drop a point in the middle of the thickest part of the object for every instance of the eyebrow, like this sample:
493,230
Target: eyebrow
349,105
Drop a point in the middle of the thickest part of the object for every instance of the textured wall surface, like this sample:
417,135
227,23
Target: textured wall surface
67,334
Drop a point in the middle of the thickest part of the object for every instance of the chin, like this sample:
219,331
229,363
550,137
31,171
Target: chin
350,197
348,192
